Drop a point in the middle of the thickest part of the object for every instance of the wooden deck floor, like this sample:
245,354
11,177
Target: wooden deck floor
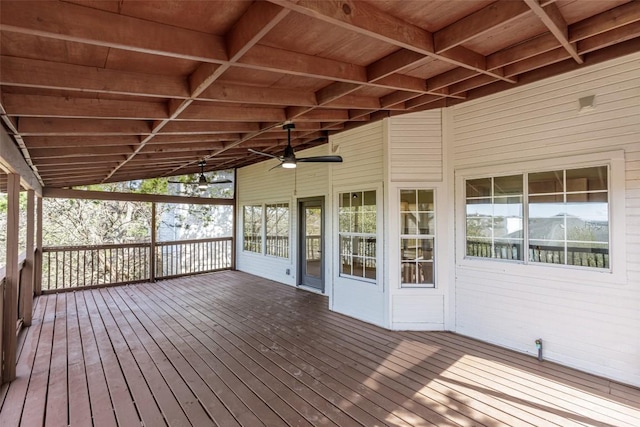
231,349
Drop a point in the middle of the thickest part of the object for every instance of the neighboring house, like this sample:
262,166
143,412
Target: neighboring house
422,277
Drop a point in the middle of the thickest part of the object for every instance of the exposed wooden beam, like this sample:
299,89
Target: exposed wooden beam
606,21
216,113
541,44
77,23
88,142
552,18
45,126
133,197
52,75
476,24
196,128
225,92
393,63
12,160
538,61
247,31
52,106
364,18
609,38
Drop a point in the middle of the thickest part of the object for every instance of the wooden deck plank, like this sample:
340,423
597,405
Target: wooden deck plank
270,378
231,349
221,348
193,363
130,351
79,403
183,395
57,393
122,363
399,396
36,398
284,362
309,369
13,404
104,378
564,421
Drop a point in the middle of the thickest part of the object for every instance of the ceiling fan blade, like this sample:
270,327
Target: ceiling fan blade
220,181
264,154
276,166
321,159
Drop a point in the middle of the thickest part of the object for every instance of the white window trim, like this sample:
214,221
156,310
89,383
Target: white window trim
263,230
617,272
434,261
379,235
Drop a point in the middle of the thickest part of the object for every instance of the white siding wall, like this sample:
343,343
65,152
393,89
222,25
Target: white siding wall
594,323
415,161
415,147
363,169
258,185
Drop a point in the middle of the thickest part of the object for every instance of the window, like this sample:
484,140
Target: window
357,234
252,224
277,230
566,222
417,223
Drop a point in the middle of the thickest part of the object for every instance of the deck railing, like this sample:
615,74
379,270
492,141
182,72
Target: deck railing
184,257
586,257
74,267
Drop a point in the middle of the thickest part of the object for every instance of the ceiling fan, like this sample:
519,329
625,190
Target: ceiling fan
202,181
289,160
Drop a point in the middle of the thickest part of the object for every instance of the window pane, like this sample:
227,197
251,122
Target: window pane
277,231
479,187
426,223
587,179
546,182
425,200
546,220
507,185
407,200
357,231
425,273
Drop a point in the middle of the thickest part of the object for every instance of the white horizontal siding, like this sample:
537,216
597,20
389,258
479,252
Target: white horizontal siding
257,184
592,326
362,152
415,147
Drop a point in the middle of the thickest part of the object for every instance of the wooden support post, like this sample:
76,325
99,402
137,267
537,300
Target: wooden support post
12,279
37,268
234,231
28,274
152,250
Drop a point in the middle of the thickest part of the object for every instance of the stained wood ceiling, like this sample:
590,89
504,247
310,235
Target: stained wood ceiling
117,90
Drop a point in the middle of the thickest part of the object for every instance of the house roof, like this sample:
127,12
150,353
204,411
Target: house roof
117,90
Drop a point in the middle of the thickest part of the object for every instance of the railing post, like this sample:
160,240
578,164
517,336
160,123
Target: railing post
27,285
37,266
13,277
152,249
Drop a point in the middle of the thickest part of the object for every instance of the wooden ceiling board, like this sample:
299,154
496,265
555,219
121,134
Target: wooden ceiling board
524,27
576,10
108,90
208,16
429,68
36,47
432,15
144,63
